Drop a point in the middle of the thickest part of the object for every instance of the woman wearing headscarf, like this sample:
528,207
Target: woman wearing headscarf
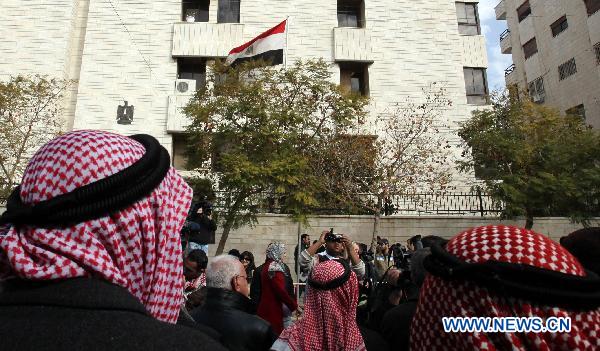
275,302
504,271
90,253
329,319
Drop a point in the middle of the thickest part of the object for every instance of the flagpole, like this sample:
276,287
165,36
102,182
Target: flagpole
287,29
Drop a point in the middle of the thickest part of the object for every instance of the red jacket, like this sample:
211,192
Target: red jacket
273,294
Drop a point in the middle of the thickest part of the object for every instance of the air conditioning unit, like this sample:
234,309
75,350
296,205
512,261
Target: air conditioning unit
538,98
185,86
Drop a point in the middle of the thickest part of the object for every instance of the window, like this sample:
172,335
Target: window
578,110
468,18
228,11
191,68
354,77
536,90
559,26
475,82
597,52
530,48
524,11
592,6
179,158
351,13
195,11
567,69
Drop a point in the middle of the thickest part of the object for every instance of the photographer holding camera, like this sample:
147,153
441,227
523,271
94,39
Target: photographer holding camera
337,246
199,229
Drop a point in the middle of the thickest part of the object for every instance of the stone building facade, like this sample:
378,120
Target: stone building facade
555,47
127,56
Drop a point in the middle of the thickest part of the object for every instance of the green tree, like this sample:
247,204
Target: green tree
534,160
257,123
30,115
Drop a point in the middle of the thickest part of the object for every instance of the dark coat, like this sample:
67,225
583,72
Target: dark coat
230,313
86,314
396,324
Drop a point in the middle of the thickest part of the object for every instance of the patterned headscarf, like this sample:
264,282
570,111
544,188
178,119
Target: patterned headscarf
137,248
275,252
440,298
329,320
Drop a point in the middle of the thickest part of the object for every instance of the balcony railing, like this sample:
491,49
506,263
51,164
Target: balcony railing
505,42
509,70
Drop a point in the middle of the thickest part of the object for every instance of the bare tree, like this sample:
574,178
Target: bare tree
30,115
359,173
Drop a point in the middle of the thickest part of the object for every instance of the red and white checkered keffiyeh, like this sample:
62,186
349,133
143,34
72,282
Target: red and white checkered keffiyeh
329,320
440,298
137,248
195,284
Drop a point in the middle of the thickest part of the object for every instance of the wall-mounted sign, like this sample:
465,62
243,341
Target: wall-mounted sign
125,114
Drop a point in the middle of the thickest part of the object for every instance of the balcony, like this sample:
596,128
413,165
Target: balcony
352,44
177,121
505,42
474,51
203,39
533,67
526,29
593,22
501,11
510,76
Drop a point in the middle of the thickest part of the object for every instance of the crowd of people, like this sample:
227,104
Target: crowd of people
91,257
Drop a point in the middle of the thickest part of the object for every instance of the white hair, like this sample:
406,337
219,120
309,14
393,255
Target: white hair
221,270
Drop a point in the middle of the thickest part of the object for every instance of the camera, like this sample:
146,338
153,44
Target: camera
333,237
401,256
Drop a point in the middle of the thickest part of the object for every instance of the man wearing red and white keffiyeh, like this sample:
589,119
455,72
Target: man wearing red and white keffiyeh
137,248
329,320
465,298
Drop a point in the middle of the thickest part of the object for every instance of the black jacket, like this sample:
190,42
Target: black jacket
86,314
396,324
230,313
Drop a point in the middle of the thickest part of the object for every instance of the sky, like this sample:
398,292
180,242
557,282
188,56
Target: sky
491,29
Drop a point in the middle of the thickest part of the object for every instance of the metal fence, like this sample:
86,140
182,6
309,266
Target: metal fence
450,204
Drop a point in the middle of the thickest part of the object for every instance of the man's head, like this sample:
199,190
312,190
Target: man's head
333,245
305,238
234,252
516,272
194,264
227,272
383,246
88,188
585,245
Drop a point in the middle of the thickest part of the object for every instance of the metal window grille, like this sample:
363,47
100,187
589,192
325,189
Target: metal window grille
567,69
597,51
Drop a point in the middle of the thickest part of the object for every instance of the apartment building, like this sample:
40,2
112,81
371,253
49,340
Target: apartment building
555,47
137,63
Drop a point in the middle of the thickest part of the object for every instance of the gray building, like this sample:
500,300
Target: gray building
555,47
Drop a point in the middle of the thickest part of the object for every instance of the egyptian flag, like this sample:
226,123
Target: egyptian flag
267,46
